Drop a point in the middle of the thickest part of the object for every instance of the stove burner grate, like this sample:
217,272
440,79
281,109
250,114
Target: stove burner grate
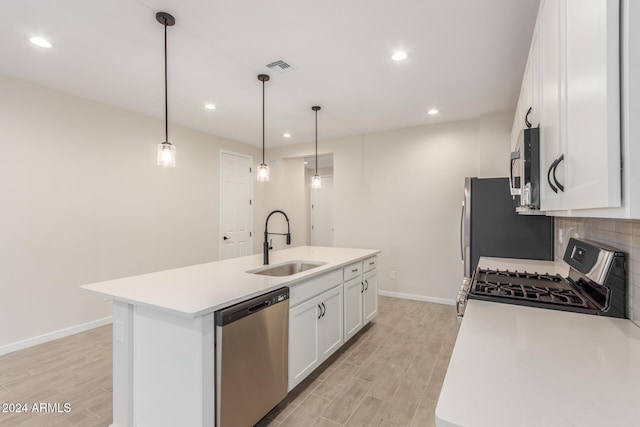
505,284
524,275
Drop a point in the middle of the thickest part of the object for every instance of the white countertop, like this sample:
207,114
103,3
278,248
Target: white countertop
522,366
203,288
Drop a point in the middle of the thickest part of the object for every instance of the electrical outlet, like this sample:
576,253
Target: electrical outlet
392,275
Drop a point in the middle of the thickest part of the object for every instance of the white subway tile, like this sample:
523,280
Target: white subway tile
622,226
622,241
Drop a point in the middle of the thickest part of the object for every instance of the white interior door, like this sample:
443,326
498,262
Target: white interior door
235,205
322,213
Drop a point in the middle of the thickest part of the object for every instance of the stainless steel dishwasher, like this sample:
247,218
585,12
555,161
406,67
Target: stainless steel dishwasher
252,357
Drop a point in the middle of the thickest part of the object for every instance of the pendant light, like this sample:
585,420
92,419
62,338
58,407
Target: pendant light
166,150
263,169
316,181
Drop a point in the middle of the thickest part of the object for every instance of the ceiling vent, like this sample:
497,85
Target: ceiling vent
280,65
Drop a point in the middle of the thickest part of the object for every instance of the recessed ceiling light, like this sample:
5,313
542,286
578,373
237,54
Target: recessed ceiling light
306,163
209,106
39,41
432,112
399,55
286,135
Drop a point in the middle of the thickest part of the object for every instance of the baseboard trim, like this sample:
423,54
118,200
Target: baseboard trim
61,333
416,297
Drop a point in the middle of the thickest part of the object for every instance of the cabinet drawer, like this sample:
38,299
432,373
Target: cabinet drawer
370,264
352,270
309,289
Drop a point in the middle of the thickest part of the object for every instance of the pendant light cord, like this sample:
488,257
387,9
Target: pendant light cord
316,142
263,122
166,97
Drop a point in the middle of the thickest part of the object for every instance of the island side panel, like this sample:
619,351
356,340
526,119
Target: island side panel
173,364
122,364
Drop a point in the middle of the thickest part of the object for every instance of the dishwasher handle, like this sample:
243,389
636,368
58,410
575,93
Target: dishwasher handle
259,306
254,305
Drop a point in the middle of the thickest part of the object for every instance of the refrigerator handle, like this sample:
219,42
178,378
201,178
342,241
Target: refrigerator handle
462,232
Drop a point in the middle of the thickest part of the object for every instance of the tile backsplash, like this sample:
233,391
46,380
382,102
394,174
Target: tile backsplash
623,235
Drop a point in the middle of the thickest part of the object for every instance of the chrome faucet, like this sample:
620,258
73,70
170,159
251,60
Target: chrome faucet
265,245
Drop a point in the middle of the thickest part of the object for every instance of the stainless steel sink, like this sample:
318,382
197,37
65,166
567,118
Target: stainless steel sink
287,268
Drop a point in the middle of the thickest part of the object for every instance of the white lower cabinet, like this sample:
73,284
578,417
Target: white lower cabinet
326,311
353,302
315,332
360,296
330,323
370,295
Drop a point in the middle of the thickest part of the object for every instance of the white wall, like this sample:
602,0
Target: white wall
285,191
83,201
401,191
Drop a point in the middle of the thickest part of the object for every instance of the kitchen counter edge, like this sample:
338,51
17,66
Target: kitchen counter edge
278,257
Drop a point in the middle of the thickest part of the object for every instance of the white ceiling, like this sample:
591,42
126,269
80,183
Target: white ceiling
466,58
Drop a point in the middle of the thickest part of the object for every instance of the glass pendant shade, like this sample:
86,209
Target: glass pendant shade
316,182
263,172
167,155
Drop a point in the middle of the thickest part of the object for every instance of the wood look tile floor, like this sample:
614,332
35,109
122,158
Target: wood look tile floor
390,374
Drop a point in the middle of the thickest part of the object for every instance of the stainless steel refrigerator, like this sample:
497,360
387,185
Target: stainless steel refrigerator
490,226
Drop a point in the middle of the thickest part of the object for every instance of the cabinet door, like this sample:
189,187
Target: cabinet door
552,118
529,92
303,340
593,104
370,295
330,324
352,307
535,65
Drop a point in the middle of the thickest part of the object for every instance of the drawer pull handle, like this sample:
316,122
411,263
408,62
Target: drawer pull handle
355,270
320,308
367,285
361,287
324,310
372,262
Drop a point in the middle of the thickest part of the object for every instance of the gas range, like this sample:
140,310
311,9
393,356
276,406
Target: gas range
596,283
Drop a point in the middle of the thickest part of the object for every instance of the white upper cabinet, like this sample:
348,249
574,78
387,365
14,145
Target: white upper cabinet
530,97
572,85
592,104
552,121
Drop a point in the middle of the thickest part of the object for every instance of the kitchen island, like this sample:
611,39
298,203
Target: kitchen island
164,335
522,366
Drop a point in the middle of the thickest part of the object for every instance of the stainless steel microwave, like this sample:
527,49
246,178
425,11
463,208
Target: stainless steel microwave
524,176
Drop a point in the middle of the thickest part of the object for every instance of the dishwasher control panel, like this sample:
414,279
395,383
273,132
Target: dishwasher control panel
246,308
